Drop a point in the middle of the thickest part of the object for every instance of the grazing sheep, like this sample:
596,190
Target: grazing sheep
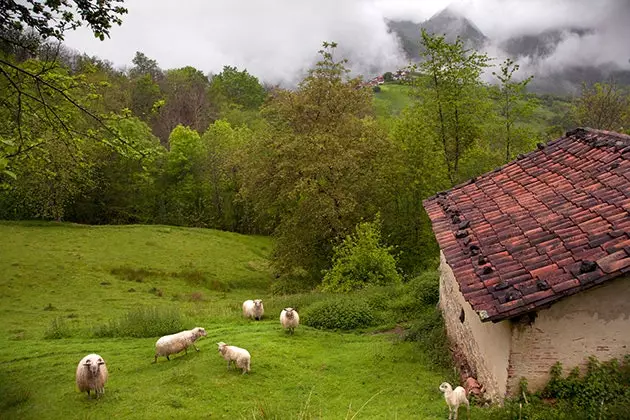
289,319
174,343
239,356
92,374
253,309
454,398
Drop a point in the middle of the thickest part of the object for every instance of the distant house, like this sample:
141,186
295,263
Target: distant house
535,261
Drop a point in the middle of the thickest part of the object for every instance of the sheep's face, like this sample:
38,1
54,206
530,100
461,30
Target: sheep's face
258,304
445,386
222,346
288,312
93,365
199,332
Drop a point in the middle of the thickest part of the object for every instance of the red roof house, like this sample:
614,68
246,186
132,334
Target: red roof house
536,260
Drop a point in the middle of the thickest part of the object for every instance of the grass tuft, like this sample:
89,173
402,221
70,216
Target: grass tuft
142,322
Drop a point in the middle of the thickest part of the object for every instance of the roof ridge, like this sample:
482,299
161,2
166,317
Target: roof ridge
577,131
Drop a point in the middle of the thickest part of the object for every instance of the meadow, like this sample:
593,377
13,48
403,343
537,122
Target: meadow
68,290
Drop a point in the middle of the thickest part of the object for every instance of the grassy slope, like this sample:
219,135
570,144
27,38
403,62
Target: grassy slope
51,271
391,100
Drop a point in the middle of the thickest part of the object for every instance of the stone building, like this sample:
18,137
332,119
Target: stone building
535,261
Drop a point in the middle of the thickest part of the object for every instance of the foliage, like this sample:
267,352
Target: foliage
51,19
142,322
341,314
237,87
388,76
452,96
361,260
604,106
58,329
310,174
429,334
514,105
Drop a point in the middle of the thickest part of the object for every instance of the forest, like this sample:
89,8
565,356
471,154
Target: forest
312,165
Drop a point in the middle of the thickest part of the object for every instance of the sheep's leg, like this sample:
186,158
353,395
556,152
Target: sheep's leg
168,358
228,365
88,392
456,410
155,361
195,347
467,410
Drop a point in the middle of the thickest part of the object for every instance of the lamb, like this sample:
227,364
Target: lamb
253,309
239,356
289,319
454,398
174,343
92,374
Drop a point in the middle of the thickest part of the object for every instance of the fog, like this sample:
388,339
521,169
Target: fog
278,40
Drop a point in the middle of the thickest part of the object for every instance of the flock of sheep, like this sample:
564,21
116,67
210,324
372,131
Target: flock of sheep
92,370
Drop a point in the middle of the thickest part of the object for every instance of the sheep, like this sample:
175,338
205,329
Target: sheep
92,374
454,398
239,356
174,343
289,319
253,309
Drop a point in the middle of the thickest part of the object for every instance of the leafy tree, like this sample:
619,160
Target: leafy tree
514,106
388,76
52,18
145,66
361,260
238,87
604,106
311,172
451,93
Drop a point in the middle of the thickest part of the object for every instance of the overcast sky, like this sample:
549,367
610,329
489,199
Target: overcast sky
277,40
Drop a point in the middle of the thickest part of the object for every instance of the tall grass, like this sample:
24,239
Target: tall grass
141,323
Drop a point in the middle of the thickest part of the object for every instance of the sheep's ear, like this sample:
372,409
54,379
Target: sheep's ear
101,361
87,362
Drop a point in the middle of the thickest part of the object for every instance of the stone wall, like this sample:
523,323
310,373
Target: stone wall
485,345
594,322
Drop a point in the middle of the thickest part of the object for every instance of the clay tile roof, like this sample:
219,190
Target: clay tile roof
550,224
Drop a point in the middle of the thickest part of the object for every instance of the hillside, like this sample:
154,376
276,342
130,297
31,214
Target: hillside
65,291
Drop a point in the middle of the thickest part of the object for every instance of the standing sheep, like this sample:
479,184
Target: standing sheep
92,374
289,319
253,309
239,356
174,343
454,398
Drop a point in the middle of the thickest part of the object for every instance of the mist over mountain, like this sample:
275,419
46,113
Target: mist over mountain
554,55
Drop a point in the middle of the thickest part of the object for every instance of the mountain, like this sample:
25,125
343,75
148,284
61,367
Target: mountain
447,22
542,44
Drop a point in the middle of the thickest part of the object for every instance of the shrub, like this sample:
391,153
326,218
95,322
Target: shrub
346,314
57,329
142,322
429,332
360,261
426,287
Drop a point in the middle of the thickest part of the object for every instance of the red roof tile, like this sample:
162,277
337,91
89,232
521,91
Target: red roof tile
548,225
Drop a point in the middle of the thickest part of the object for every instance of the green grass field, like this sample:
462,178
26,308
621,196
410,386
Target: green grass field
71,281
391,100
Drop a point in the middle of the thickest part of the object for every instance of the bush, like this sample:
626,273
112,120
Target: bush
429,332
347,314
360,261
426,288
142,322
57,329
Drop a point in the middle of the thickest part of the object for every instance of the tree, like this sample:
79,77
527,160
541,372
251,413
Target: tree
311,172
514,106
361,260
603,106
388,76
145,66
37,91
186,102
237,87
450,91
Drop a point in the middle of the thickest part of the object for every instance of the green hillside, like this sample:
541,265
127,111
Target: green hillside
66,290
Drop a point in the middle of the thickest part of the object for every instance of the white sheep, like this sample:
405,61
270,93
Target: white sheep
92,374
289,319
240,357
253,309
454,398
174,343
